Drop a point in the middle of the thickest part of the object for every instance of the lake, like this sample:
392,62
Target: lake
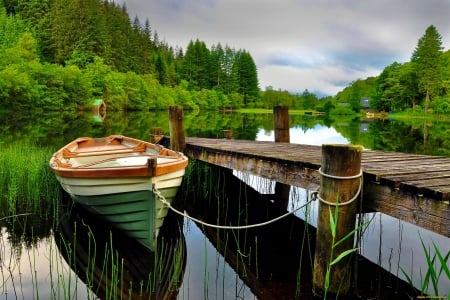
58,251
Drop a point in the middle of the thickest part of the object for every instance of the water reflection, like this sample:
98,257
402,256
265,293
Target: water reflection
273,261
417,135
317,135
220,264
115,266
389,243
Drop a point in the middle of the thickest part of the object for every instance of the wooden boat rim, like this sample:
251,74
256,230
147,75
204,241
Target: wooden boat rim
141,162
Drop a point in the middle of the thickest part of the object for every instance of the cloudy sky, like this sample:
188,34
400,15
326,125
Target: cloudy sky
319,45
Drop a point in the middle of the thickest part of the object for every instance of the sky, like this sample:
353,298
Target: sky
319,45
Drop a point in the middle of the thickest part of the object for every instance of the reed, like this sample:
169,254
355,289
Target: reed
437,264
333,261
306,243
27,184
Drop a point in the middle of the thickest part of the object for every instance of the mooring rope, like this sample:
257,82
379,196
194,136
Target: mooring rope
360,176
163,200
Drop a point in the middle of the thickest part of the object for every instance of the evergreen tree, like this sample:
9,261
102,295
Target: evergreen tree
216,71
247,76
426,59
195,68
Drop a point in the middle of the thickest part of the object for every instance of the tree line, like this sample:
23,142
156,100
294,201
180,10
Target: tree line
62,54
421,84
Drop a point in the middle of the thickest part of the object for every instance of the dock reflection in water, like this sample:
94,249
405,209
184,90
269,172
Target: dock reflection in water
115,266
274,260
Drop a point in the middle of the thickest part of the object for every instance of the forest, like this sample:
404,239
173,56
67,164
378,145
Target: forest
63,54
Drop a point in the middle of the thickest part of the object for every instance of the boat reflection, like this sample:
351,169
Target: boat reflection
114,265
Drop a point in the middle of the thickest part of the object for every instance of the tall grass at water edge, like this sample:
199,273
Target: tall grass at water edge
27,185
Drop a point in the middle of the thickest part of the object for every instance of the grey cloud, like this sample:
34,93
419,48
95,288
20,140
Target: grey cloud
350,37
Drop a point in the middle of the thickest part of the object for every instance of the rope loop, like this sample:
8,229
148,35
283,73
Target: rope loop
360,176
340,177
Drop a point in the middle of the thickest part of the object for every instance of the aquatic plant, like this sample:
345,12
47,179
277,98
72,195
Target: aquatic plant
333,261
437,266
26,183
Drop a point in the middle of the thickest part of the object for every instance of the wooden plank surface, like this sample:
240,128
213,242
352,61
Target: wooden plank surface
390,168
408,179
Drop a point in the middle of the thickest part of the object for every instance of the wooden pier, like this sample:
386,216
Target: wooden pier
409,187
413,188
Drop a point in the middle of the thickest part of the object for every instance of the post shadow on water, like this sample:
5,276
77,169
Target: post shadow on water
275,261
115,266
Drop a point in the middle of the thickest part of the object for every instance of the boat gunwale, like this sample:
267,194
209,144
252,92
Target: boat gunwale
64,169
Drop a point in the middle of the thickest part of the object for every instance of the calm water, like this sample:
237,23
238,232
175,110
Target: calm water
271,262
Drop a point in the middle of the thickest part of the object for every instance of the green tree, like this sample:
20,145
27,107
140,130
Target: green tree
245,69
195,68
36,14
426,60
11,29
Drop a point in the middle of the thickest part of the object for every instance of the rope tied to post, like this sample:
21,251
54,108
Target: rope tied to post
184,214
315,195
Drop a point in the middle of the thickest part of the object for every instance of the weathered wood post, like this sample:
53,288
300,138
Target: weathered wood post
281,124
176,128
155,134
340,182
281,130
228,134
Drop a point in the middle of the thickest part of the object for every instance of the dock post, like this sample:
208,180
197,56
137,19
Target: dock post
340,182
281,129
281,124
228,134
176,128
155,134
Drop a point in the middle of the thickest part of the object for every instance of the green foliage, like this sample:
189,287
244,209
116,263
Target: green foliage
422,83
426,60
396,88
11,29
61,54
271,98
353,94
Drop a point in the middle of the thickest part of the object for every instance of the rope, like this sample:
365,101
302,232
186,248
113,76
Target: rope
163,200
316,194
340,177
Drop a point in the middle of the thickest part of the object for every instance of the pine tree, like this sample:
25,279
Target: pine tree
195,69
426,59
247,74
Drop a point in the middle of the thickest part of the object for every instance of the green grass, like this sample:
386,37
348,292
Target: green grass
419,116
27,184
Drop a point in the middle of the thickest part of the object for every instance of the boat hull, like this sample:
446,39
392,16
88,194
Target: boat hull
116,177
129,204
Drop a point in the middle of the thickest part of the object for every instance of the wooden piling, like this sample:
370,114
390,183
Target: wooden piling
155,135
176,128
281,124
228,134
338,162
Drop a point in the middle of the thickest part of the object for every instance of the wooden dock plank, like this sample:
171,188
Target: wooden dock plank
393,182
395,179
